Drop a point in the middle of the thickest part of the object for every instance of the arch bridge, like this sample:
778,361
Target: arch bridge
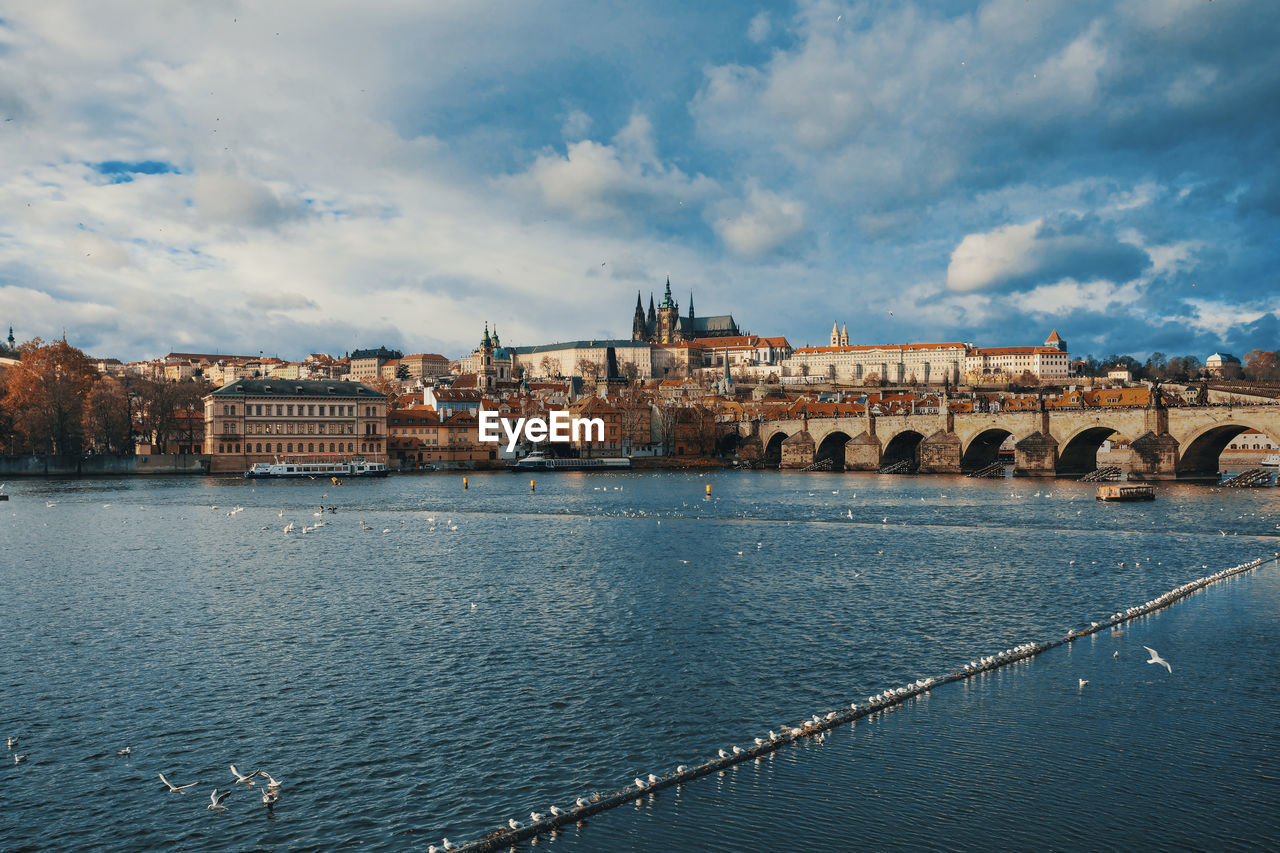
1165,444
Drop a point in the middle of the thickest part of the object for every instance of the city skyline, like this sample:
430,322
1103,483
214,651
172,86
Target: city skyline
329,179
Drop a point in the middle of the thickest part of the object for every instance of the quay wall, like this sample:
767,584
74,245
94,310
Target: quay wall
35,465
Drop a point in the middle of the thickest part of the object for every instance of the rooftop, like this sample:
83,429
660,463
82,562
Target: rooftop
296,388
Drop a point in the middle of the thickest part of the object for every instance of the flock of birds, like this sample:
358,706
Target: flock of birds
817,725
218,799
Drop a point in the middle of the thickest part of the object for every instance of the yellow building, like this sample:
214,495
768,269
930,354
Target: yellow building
258,420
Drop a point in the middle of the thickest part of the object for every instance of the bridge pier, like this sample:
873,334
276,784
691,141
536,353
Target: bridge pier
940,453
1153,457
1036,456
864,450
799,451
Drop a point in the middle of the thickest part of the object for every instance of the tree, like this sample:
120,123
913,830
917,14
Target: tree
108,417
1157,366
388,387
804,368
831,372
402,371
588,370
1262,365
549,367
630,371
46,390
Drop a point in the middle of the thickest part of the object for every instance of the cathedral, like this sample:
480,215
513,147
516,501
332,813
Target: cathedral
665,325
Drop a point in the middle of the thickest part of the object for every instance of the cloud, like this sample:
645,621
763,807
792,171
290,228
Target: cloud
232,200
611,180
758,29
759,224
1042,252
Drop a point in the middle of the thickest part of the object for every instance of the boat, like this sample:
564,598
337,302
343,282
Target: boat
1271,460
333,468
1126,492
537,461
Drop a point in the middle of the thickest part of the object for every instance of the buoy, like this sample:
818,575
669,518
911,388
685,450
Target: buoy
708,488
532,485
464,483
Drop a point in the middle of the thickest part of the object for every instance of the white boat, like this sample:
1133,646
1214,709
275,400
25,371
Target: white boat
296,468
1271,460
536,461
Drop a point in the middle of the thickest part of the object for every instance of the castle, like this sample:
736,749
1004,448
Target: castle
665,325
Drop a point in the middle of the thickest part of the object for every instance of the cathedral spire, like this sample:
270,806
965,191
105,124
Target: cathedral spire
690,304
653,315
638,329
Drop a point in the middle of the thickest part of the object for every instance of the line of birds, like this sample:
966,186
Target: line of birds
819,724
218,799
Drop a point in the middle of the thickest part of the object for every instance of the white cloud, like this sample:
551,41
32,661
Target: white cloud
758,29
982,260
761,223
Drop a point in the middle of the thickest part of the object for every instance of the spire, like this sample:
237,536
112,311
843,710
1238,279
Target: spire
638,329
690,303
653,315
835,334
495,335
844,335
484,342
667,300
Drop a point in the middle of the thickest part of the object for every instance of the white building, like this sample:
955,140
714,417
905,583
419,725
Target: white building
895,364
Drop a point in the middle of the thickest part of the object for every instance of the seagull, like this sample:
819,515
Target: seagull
1083,682
175,789
216,800
246,780
1115,655
639,782
271,783
11,742
270,797
724,754
535,816
556,811
125,751
681,769
579,802
1155,658
18,759
513,823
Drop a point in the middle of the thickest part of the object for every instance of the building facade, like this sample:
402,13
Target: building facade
666,325
258,420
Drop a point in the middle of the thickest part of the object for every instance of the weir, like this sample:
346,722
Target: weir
505,837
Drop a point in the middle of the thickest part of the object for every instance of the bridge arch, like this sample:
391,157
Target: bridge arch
773,448
1078,455
1200,455
983,449
904,445
832,447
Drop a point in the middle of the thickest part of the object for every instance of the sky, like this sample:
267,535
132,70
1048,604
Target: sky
295,177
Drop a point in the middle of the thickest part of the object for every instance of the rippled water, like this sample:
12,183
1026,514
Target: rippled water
425,681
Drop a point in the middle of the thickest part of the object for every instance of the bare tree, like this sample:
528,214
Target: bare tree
108,417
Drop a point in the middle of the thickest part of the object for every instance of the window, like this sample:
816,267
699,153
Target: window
291,447
278,449
311,448
279,410
289,410
259,450
311,411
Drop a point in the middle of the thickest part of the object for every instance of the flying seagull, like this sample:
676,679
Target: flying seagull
216,801
1083,682
1155,658
247,780
175,789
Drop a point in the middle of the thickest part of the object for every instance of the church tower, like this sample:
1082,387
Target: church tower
487,378
844,335
835,334
639,330
667,330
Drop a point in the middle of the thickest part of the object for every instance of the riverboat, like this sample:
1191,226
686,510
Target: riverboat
539,462
1119,493
1271,460
294,469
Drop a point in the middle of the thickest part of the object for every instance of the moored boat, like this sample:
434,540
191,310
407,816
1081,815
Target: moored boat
297,468
539,462
1126,492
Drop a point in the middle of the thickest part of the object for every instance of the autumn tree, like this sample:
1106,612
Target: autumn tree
46,390
108,417
389,387
1262,365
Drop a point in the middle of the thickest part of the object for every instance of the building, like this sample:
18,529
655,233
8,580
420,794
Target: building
1223,365
666,325
894,364
575,358
256,420
1049,362
366,364
421,365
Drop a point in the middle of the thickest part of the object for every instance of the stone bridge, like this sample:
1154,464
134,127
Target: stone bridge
1166,444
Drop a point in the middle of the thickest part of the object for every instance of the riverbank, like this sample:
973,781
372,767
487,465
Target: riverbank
103,466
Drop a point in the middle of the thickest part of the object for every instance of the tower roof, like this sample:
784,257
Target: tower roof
1054,337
